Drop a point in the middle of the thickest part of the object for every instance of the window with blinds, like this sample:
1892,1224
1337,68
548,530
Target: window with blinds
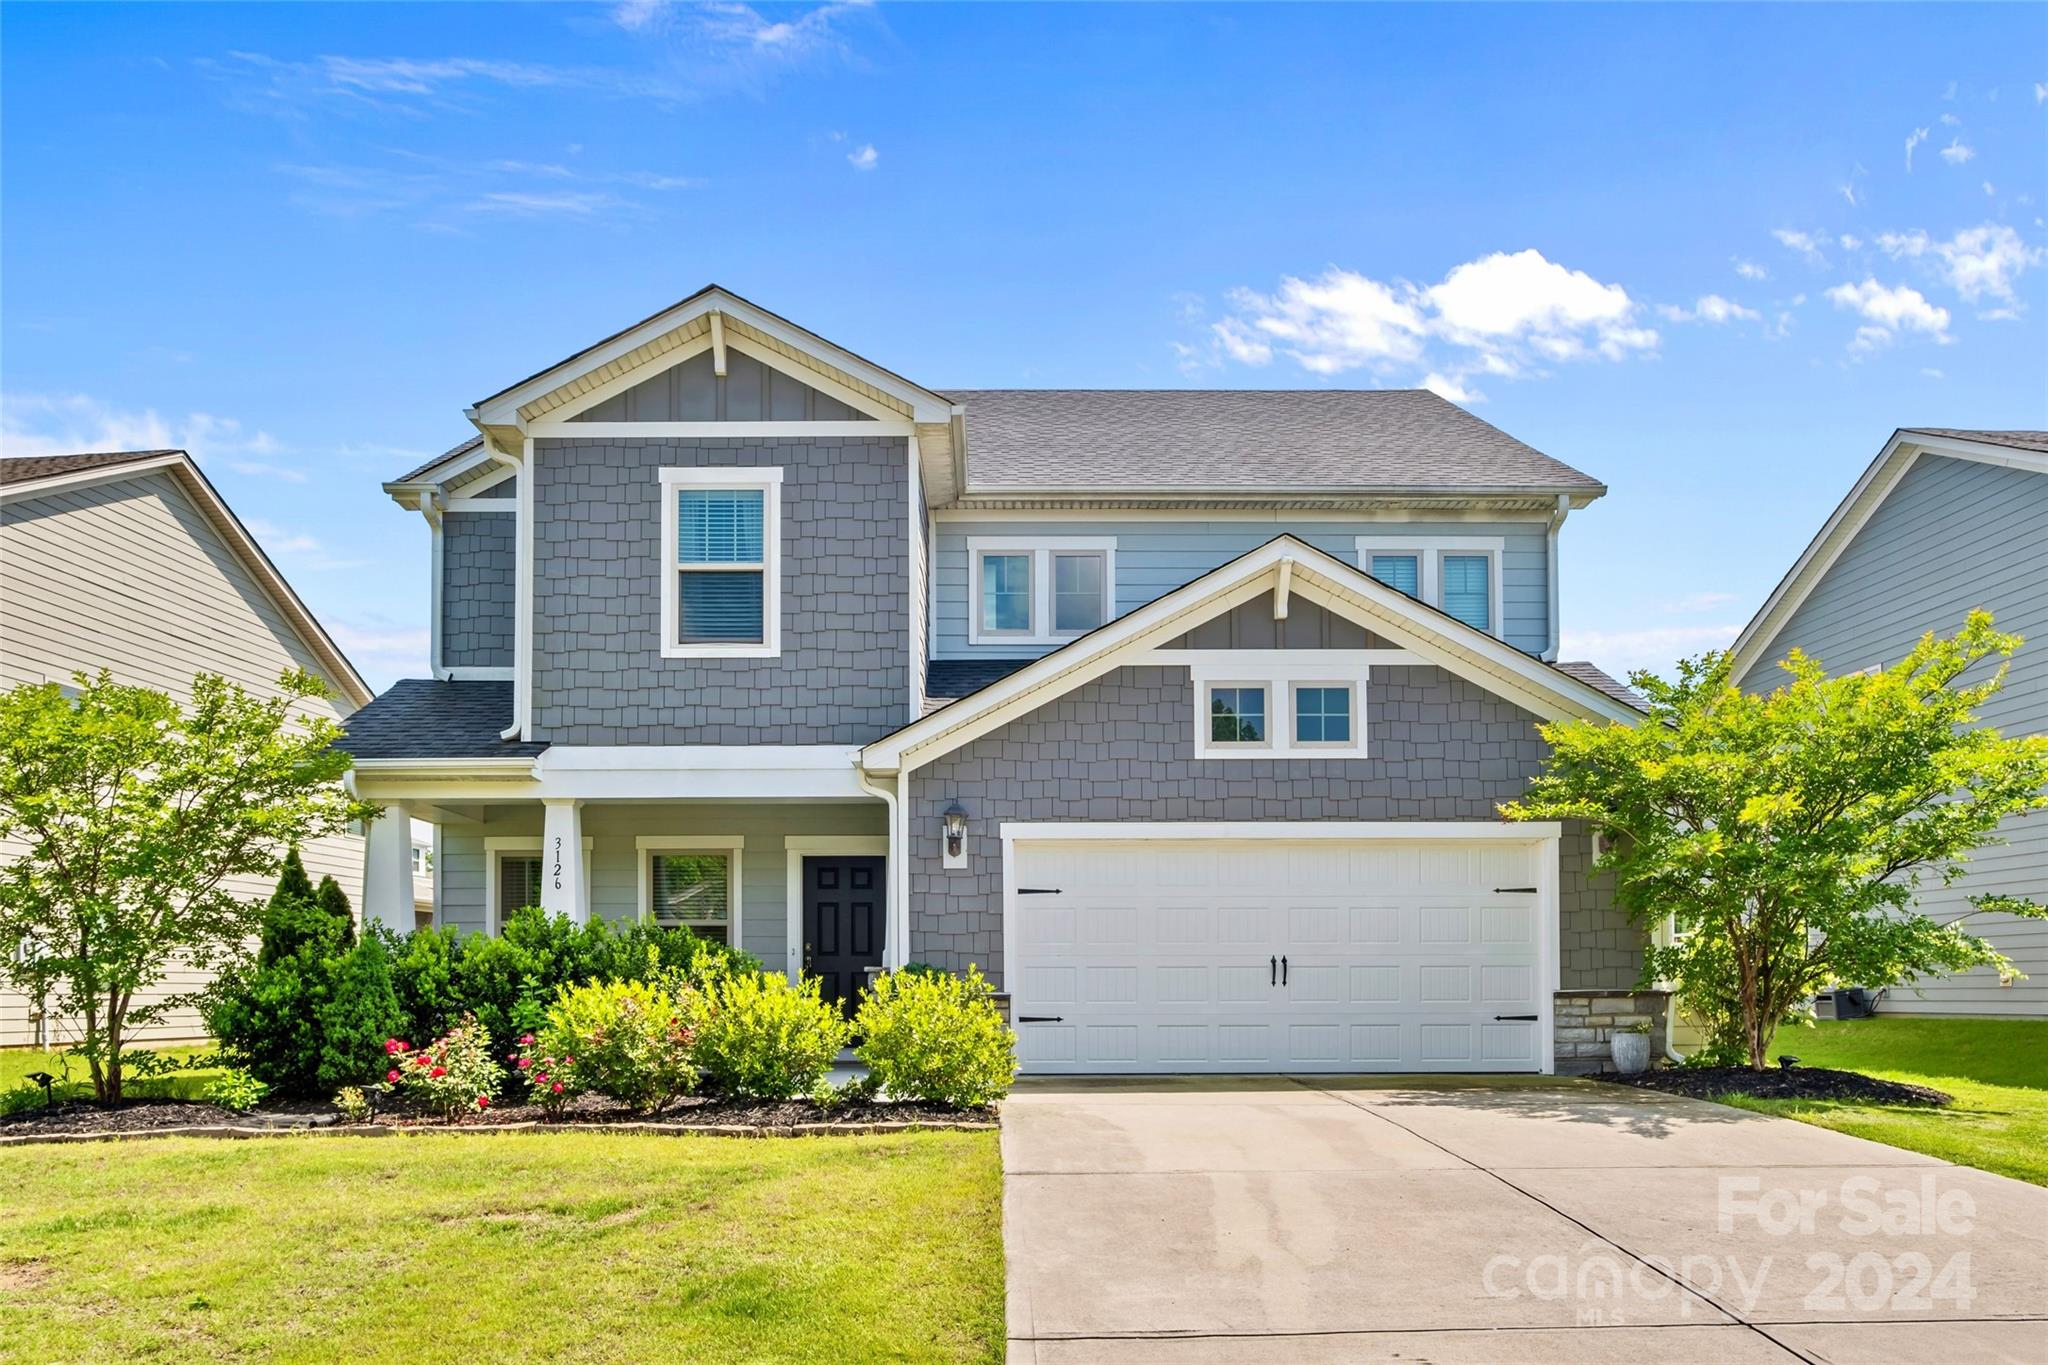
1467,589
1399,572
721,560
518,882
691,890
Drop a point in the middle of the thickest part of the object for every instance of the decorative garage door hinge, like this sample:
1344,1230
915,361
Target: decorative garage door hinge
1040,1018
1514,891
1038,890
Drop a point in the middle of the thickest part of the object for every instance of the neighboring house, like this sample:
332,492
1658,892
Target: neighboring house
131,562
1942,522
1184,715
422,864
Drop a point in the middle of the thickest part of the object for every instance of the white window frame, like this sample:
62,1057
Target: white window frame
732,845
1281,672
517,843
1041,549
767,482
1429,556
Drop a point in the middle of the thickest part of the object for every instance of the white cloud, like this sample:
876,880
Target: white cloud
1951,121
1693,603
381,648
544,203
1888,311
1914,139
1848,190
1503,315
1710,308
1805,243
1986,259
1450,390
66,424
1750,270
298,549
1956,153
1929,372
864,157
1655,648
2040,92
1849,241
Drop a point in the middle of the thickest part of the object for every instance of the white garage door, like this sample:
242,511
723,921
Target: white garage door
1280,955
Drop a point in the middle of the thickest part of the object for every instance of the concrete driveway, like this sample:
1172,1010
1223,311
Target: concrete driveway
1425,1219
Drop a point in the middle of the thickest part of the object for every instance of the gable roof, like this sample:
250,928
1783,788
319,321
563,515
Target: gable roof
2026,450
1267,442
34,476
1432,635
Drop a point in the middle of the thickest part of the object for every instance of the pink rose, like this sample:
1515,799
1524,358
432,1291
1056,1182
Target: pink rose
526,1041
525,1062
437,1073
392,1045
558,1087
540,1078
391,1076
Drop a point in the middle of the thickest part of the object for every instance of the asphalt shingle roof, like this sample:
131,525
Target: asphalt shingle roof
27,469
959,677
424,718
1266,441
2018,440
1593,676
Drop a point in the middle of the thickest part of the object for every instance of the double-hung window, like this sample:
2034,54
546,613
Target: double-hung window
1460,575
1038,591
514,869
692,884
721,542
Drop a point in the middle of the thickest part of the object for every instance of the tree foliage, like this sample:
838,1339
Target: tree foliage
1786,835
136,814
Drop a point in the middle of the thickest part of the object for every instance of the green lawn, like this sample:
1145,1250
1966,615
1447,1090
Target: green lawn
1996,1068
75,1077
504,1247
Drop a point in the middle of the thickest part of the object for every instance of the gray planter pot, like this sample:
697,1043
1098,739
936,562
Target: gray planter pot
1631,1053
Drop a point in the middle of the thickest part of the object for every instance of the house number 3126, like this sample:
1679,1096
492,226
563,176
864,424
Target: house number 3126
558,862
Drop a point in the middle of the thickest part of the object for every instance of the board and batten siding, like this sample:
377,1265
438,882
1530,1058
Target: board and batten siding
1155,556
131,576
1953,535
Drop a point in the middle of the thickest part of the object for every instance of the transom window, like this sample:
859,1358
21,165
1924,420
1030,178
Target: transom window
1038,591
1459,574
720,588
1273,703
1237,715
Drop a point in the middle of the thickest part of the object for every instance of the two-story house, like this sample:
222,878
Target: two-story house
1941,523
1185,715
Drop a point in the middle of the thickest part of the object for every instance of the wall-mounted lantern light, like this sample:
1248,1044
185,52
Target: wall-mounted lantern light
954,823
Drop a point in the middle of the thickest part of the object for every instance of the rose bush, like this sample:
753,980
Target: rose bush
626,1040
451,1075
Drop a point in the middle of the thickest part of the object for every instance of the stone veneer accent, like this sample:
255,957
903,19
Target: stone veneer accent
1585,1024
843,676
1120,748
478,565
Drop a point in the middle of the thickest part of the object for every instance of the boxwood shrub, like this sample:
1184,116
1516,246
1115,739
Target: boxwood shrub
932,1036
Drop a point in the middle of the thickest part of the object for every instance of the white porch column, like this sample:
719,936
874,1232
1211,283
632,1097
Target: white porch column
562,882
387,870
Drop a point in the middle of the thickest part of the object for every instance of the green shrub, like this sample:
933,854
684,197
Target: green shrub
236,1090
21,1099
352,1105
451,1075
331,898
626,1040
423,979
758,1037
266,1014
359,1013
936,1037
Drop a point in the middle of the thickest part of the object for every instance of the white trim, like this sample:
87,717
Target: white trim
436,569
522,600
732,845
1041,549
1871,490
515,843
1320,578
1429,552
1354,690
627,431
1210,514
1539,835
1291,662
496,673
767,481
796,848
461,504
918,642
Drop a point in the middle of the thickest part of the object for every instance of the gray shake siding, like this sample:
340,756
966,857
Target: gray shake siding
1154,557
843,676
1953,535
478,566
1121,749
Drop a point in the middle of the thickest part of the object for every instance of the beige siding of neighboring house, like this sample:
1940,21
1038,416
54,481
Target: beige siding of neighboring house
132,576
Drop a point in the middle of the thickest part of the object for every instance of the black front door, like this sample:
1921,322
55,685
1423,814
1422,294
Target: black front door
843,904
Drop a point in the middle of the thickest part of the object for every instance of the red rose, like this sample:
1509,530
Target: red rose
525,1062
558,1087
437,1073
423,1060
526,1041
391,1076
483,1101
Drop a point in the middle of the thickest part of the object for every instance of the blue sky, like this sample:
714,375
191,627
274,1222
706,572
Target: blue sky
1710,255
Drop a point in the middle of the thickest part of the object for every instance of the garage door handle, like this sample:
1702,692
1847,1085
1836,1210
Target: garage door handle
1283,969
1516,1018
1514,891
1272,971
1040,1018
1038,890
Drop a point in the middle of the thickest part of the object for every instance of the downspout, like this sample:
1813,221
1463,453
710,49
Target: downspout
1564,507
896,947
522,594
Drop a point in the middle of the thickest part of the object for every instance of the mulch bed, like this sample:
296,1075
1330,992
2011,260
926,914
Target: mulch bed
83,1118
1798,1083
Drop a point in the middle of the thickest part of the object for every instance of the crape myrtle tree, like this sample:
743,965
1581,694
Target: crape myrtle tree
1785,836
130,815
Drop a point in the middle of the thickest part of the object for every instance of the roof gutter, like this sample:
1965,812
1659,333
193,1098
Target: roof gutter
1564,507
1579,496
